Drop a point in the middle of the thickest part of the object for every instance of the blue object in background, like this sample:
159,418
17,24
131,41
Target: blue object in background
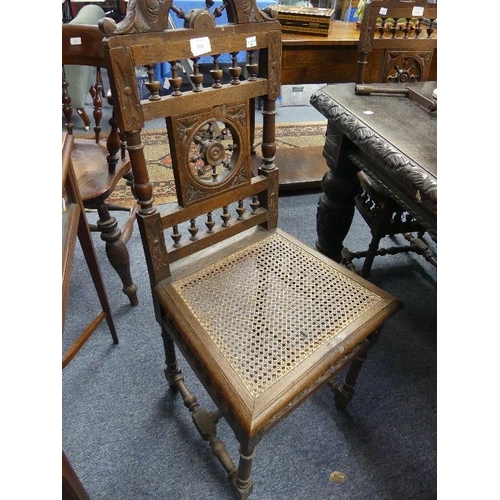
349,15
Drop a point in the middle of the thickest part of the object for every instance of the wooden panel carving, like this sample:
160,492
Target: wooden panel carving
208,151
129,113
406,66
152,15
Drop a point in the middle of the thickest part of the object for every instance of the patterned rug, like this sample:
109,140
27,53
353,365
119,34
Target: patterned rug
160,166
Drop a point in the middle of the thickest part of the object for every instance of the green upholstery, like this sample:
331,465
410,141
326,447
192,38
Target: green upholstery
81,78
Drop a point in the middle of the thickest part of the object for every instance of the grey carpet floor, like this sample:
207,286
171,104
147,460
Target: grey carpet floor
129,438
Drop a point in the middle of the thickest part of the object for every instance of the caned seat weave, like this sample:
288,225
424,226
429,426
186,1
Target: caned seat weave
272,309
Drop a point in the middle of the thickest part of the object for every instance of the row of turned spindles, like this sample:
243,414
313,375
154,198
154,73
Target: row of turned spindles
395,28
210,221
197,77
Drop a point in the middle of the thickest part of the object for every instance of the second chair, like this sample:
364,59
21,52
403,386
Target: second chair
99,165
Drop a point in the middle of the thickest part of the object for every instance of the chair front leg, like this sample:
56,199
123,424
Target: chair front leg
344,392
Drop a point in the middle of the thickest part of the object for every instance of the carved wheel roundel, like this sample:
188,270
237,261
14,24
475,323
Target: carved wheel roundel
213,152
405,69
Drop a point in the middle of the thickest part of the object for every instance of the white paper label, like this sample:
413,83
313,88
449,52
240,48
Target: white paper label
200,45
417,11
75,40
251,42
383,11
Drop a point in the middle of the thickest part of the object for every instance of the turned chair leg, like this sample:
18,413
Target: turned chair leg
172,370
204,421
242,482
382,221
117,251
343,392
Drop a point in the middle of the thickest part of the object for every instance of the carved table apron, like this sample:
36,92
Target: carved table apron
392,139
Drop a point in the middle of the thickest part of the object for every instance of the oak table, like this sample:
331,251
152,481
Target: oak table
392,139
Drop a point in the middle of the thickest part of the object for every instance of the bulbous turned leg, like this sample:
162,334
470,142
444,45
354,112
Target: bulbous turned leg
117,251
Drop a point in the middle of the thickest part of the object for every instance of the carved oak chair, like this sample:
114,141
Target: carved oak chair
99,165
262,319
408,46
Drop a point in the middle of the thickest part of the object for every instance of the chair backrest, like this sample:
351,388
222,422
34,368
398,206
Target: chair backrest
82,59
82,48
209,126
405,30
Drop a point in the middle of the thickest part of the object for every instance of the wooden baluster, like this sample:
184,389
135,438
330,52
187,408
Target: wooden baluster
381,29
218,10
235,70
66,104
178,12
430,29
252,66
418,27
240,210
193,230
113,145
210,223
97,101
175,80
225,216
196,77
268,134
216,73
407,28
176,236
153,85
394,28
255,203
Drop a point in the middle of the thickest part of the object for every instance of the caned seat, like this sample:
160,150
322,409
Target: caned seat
262,319
276,317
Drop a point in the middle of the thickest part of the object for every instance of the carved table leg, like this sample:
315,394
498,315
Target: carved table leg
336,204
117,251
